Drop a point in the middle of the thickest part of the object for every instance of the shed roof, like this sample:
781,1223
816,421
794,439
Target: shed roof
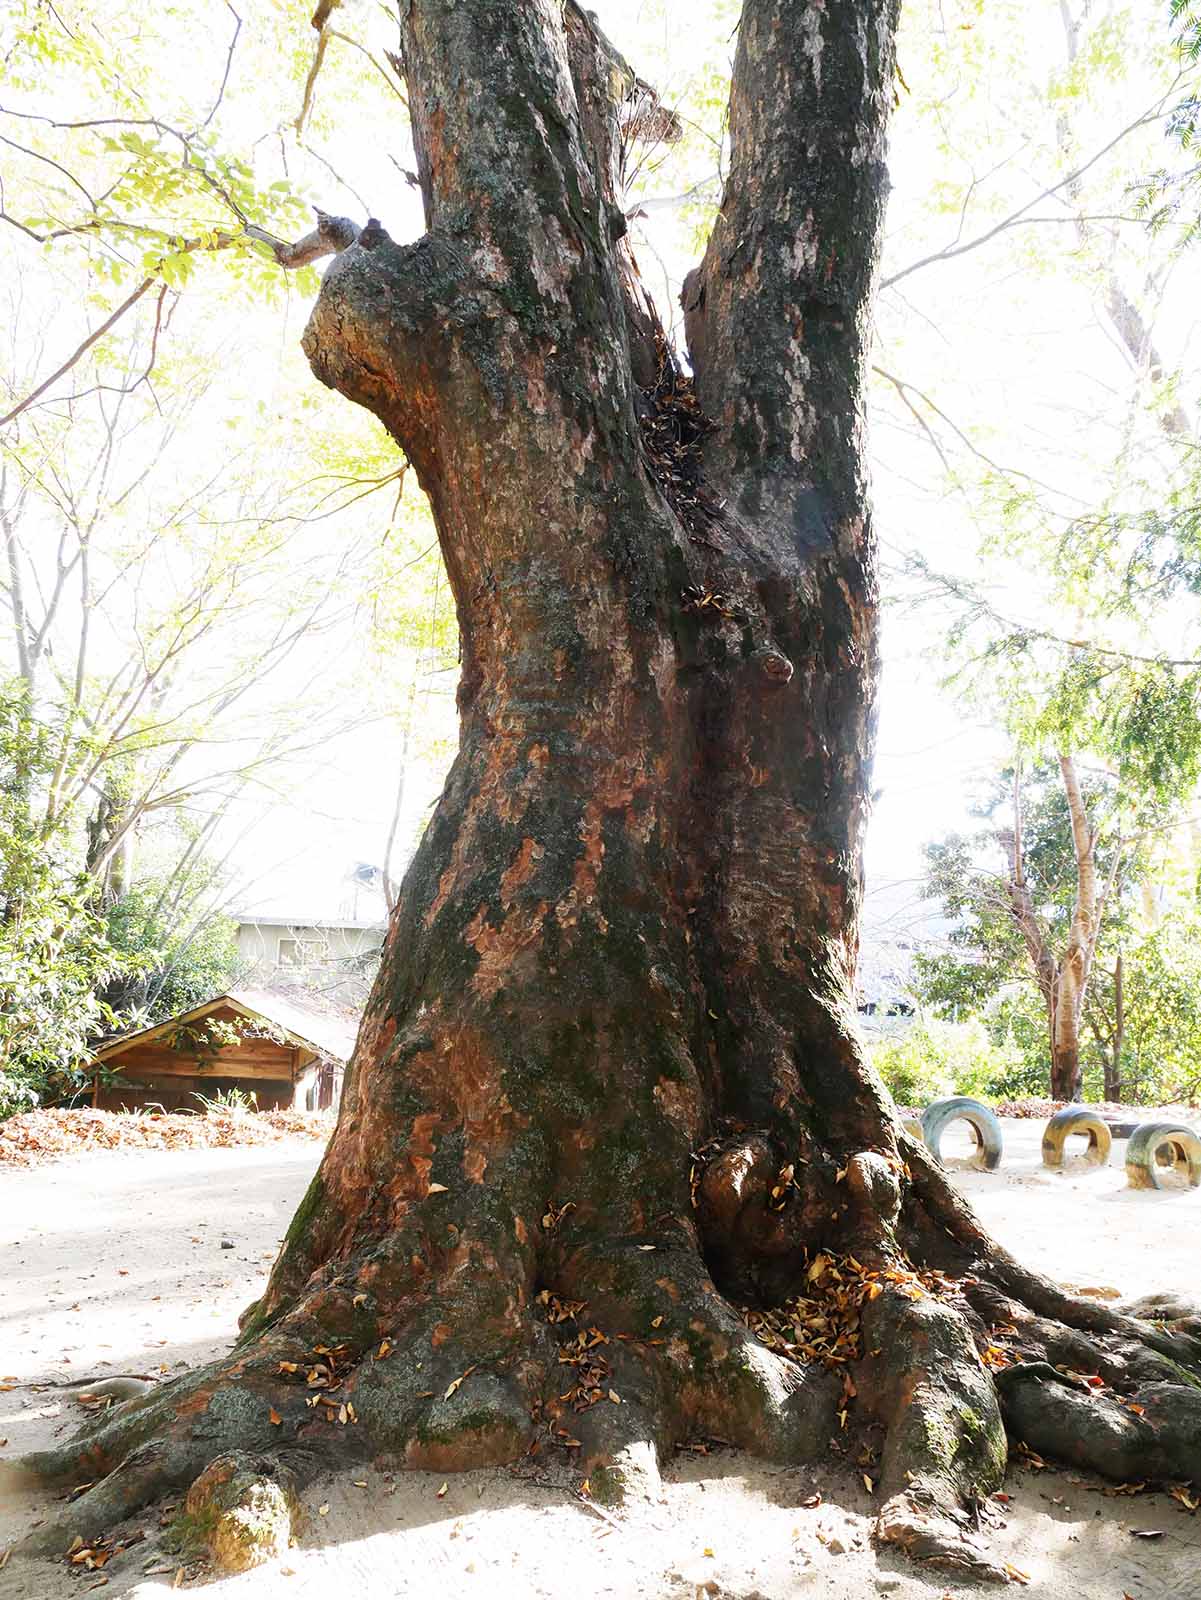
328,1034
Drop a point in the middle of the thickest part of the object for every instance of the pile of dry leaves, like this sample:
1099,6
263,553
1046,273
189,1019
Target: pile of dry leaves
1040,1109
37,1136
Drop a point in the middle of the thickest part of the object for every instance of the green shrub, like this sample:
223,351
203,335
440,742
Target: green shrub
934,1059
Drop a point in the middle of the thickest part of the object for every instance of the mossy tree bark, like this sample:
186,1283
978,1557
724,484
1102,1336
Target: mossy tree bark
609,1078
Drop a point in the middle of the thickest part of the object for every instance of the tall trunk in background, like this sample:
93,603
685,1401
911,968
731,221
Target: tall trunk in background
1113,1064
608,1112
1062,979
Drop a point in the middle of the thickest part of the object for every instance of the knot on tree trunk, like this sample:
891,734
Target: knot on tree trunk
388,321
874,1185
758,1214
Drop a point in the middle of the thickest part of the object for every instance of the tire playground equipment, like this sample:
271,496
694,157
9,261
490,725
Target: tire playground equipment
1076,1120
985,1128
1155,1147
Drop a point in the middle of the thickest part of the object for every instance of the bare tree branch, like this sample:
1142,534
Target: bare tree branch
80,351
229,61
949,252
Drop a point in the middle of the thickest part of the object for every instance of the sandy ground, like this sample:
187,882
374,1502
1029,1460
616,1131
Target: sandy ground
114,1263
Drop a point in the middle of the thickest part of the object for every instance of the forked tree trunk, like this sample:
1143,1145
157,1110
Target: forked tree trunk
607,1092
1063,979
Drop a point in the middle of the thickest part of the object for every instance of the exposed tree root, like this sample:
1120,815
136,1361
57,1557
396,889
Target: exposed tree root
944,1448
635,1350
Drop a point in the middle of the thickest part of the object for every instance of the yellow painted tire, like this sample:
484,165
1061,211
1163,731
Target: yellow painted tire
1155,1146
1071,1120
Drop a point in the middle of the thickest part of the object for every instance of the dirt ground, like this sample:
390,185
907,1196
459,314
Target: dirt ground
116,1263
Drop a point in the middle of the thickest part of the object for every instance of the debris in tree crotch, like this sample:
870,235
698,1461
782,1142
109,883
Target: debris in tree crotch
1156,1146
986,1129
1076,1120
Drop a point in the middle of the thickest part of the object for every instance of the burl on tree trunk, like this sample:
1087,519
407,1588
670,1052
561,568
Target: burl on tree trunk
611,1170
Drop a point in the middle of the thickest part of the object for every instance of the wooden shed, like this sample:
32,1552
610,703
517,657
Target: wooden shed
272,1046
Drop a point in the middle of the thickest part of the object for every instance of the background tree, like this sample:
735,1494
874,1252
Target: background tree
609,1069
1039,916
55,958
1136,1031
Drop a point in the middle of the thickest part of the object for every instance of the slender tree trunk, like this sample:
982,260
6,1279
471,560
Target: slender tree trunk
1113,1065
608,1112
1063,980
1065,1056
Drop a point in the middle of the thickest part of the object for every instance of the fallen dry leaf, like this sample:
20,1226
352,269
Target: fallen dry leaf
323,1510
35,1137
442,1490
274,1418
1015,1574
437,1188
456,1382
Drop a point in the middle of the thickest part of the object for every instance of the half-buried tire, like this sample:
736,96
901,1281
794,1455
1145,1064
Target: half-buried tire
987,1130
1074,1120
1156,1147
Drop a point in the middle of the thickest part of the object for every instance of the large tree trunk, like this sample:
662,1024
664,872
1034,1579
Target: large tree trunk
608,1078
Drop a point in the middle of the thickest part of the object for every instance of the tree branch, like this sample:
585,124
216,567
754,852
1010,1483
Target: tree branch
80,351
949,252
229,61
776,313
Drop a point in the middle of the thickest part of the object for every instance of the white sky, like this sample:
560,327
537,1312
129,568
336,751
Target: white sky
1017,355
1007,339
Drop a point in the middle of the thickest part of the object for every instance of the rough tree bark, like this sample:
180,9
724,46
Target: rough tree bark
607,1106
